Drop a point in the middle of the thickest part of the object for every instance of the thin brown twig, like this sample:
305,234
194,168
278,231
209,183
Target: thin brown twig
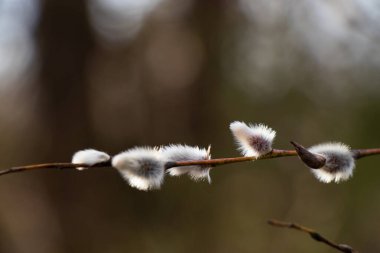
222,161
313,234
210,162
59,166
276,153
361,153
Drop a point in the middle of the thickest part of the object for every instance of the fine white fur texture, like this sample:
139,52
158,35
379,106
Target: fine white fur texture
339,165
89,157
253,139
177,153
142,167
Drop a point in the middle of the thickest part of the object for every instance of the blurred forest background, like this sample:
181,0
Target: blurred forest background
112,74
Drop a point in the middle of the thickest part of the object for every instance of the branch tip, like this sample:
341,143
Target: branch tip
313,234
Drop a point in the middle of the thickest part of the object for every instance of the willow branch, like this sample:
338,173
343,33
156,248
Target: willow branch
59,166
276,153
313,234
210,162
361,153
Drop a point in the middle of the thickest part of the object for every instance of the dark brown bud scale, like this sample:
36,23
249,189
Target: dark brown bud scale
312,160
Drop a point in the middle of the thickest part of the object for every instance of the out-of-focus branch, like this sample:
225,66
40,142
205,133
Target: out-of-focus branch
313,234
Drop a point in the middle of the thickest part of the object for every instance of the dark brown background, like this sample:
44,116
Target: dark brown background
115,74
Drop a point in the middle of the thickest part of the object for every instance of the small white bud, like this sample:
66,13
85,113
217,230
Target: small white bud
178,153
142,167
89,157
253,140
339,164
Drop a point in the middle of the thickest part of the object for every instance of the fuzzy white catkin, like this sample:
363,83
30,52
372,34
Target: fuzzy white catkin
339,165
142,167
177,153
254,139
89,157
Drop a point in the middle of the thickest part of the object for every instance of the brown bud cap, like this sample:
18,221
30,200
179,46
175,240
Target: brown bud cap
312,160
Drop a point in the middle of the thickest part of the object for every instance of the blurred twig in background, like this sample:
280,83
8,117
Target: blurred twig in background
313,234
